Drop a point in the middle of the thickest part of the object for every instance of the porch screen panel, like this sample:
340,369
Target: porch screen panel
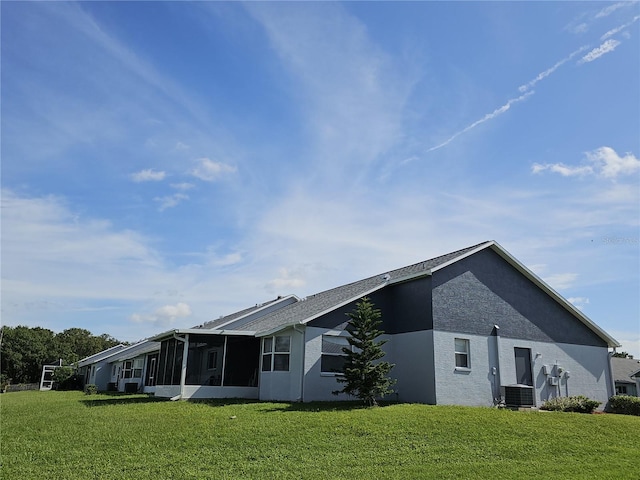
170,362
201,367
242,362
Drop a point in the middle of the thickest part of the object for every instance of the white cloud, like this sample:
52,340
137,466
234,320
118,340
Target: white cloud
209,170
630,341
164,316
170,201
610,164
613,31
605,12
578,302
606,163
489,116
564,170
148,175
285,281
561,281
549,71
607,47
182,186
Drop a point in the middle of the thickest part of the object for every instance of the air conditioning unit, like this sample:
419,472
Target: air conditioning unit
518,396
553,381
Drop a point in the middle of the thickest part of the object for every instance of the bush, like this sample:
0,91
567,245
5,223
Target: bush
90,389
64,378
578,404
624,404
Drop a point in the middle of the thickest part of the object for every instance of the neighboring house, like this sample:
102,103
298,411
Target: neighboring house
133,369
626,374
473,327
94,368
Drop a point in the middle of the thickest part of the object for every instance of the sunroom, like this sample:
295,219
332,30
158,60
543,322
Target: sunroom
200,363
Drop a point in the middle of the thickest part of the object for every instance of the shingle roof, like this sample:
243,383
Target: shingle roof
315,305
228,319
623,368
133,351
97,357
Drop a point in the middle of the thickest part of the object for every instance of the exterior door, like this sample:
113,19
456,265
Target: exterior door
523,366
150,377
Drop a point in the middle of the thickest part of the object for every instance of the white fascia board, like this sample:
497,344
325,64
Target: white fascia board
514,262
266,305
465,255
204,331
135,351
271,331
97,357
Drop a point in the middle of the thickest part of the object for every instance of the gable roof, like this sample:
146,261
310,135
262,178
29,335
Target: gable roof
266,322
624,369
97,357
140,348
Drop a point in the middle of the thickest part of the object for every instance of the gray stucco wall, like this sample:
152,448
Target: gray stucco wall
413,356
478,292
587,366
405,307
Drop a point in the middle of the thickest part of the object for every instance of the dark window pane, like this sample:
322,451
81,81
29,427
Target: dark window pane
281,362
282,343
266,363
462,360
241,362
267,346
332,363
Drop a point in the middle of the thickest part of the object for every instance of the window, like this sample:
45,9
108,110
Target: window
524,375
138,363
113,370
462,353
621,389
275,353
333,358
127,369
212,360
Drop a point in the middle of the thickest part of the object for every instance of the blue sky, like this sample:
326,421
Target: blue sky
167,163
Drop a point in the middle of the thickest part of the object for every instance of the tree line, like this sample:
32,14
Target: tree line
24,350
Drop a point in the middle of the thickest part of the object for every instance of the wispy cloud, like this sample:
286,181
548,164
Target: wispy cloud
605,162
607,47
561,281
579,302
149,175
209,170
489,116
619,29
163,316
183,186
605,12
170,201
549,71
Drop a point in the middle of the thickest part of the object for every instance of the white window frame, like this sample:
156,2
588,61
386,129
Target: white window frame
212,359
127,369
138,364
323,353
269,352
460,353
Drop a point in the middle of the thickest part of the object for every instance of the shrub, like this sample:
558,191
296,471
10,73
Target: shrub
578,404
64,378
624,404
90,389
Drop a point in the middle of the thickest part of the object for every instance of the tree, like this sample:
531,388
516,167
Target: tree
622,355
365,377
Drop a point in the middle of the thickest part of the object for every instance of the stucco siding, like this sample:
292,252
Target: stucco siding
480,291
476,386
413,356
587,366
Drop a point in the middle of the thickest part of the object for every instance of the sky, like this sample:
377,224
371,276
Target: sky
166,163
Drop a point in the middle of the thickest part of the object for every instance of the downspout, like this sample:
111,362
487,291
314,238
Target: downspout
498,383
224,360
612,381
183,370
304,344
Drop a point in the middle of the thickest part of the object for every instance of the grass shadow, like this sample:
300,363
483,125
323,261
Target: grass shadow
119,399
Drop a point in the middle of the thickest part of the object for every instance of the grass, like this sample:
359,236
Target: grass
68,435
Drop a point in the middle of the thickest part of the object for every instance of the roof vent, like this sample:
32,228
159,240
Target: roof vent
386,277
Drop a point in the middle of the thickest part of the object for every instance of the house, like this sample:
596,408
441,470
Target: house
122,368
133,369
94,369
626,375
472,327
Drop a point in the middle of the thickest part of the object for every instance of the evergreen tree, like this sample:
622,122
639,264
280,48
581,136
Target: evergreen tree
365,377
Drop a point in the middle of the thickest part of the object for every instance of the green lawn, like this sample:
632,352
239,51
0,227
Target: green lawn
68,435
